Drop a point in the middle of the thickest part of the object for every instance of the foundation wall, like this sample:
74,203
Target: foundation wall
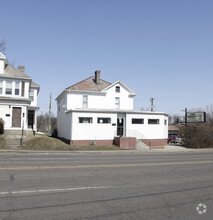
155,143
125,143
92,142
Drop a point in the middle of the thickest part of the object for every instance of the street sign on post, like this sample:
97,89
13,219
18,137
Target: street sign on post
196,117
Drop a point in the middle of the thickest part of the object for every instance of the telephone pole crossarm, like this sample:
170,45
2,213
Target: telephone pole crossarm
152,104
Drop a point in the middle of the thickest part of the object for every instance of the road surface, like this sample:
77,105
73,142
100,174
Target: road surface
111,185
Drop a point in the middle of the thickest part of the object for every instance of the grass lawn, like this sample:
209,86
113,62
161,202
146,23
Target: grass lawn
2,142
43,142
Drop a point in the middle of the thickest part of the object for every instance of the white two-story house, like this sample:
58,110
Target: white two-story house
96,111
18,98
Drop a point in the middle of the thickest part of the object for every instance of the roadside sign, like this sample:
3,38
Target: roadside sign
196,117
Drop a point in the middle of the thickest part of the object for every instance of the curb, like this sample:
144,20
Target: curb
165,150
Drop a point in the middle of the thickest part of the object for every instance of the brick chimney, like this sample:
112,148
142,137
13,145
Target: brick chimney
97,76
21,69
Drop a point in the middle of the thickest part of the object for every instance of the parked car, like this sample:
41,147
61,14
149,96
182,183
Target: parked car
176,140
170,138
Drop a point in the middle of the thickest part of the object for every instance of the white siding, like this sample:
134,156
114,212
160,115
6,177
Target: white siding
95,130
147,131
2,64
6,114
73,100
6,110
126,102
27,89
64,122
70,128
34,102
13,81
101,101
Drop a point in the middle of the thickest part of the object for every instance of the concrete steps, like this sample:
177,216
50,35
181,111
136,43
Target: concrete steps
141,146
13,143
13,138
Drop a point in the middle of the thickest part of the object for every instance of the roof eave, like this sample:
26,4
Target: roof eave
116,111
14,77
59,96
86,91
118,81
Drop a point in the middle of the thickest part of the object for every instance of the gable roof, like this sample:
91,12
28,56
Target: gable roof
11,71
2,56
119,82
34,85
89,84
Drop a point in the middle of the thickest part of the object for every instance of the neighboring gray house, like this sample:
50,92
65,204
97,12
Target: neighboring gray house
18,98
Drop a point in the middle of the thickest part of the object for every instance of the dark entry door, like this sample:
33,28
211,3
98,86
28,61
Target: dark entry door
30,119
120,127
16,118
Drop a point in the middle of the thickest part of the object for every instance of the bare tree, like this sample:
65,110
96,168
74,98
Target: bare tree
145,109
43,121
3,45
175,119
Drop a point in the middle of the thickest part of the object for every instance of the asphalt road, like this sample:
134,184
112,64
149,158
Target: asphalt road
119,185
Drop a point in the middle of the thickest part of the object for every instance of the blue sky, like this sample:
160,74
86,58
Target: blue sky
158,48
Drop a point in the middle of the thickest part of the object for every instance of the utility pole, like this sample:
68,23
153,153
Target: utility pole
185,116
49,123
152,104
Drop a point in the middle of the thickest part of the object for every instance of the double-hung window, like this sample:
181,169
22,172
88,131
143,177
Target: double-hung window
31,95
117,89
117,103
8,88
85,101
17,88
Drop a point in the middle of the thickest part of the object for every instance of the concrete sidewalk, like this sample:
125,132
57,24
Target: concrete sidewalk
167,149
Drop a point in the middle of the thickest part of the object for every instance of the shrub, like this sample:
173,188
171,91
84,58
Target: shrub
197,136
1,126
55,133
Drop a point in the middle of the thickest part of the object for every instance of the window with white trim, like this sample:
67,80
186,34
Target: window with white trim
104,120
117,89
31,94
8,88
85,101
17,88
153,121
117,103
85,120
137,121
